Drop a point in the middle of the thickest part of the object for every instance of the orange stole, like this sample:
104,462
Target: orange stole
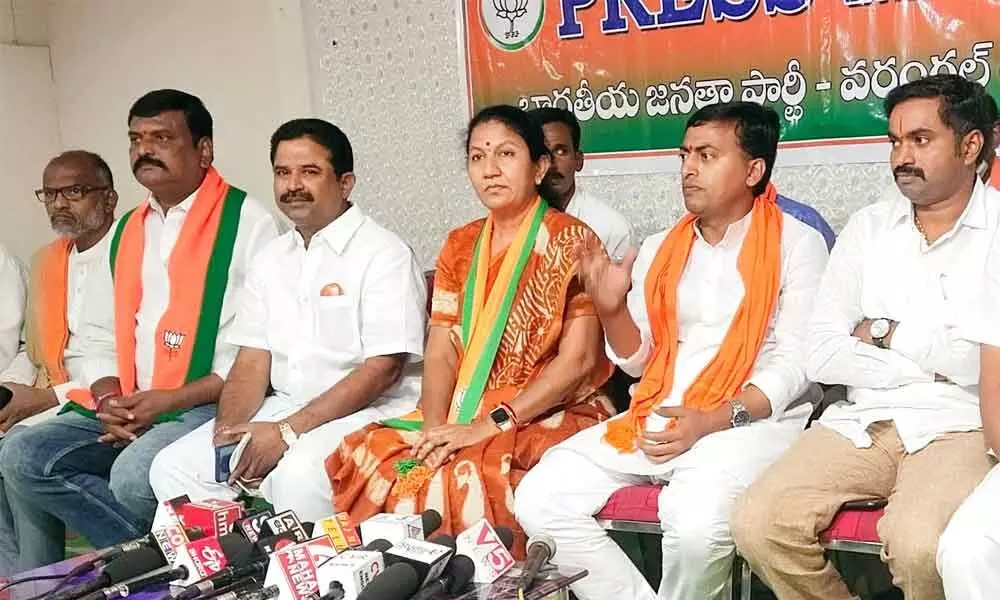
759,263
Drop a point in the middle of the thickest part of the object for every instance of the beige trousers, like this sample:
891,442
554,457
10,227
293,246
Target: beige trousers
778,520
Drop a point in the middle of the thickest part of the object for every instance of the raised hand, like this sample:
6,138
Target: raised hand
606,282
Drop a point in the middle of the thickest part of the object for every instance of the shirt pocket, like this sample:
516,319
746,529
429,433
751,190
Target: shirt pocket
337,328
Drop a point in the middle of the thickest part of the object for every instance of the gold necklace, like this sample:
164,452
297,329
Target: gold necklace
920,228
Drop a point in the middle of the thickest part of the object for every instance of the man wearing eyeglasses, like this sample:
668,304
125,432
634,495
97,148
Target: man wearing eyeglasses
78,195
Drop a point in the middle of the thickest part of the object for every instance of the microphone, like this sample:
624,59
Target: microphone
453,580
251,525
241,562
214,517
266,593
5,396
122,590
427,557
397,582
489,550
395,527
541,548
379,545
340,530
128,566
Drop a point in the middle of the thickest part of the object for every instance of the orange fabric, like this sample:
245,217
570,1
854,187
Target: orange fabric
995,174
480,481
759,264
187,270
48,324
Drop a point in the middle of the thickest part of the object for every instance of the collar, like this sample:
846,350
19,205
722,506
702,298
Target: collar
94,250
974,216
185,206
337,233
734,235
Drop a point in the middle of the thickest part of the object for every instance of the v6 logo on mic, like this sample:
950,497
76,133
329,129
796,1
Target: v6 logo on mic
482,544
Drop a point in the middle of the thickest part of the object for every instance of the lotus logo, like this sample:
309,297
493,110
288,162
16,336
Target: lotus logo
173,340
512,24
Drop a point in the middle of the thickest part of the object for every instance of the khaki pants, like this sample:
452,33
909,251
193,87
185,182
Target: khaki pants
777,522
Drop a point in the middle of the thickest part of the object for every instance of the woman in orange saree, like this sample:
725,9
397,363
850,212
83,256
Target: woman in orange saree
514,360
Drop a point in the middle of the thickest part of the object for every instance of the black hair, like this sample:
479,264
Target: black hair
99,164
322,132
757,129
965,105
528,128
552,114
197,117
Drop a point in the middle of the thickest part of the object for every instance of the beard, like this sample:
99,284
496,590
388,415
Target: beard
68,226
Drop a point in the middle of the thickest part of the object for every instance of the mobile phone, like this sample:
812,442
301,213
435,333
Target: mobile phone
223,454
5,396
868,504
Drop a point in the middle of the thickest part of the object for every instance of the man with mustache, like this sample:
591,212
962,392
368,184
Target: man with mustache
562,137
79,196
176,265
891,323
332,320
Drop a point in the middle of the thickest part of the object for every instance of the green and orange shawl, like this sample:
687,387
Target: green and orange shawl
199,274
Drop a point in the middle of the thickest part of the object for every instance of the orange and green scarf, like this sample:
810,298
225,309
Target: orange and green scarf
48,322
759,264
484,318
199,274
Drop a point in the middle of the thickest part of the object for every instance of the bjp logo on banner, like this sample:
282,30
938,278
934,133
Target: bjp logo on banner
512,24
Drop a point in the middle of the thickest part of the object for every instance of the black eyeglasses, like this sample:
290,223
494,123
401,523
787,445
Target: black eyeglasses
73,193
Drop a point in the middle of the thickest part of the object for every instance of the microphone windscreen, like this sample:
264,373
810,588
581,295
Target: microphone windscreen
399,581
308,527
238,550
379,545
431,520
542,540
134,564
506,535
5,395
462,570
443,540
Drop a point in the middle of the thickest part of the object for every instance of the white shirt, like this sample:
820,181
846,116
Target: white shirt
355,293
613,229
708,296
257,228
882,267
13,294
82,266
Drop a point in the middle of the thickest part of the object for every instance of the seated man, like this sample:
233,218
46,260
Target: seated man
905,272
79,197
179,260
711,316
562,137
333,319
12,298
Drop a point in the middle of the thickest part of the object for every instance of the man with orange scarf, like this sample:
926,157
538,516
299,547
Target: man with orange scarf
78,195
178,262
710,314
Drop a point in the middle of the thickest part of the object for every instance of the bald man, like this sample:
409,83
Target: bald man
79,197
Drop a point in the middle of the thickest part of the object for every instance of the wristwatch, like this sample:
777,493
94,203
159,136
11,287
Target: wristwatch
503,418
288,434
739,416
879,330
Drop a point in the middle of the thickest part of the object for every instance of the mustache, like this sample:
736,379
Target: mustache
148,160
296,195
908,170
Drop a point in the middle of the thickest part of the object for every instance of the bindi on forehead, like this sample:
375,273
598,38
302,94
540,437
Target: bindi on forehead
488,143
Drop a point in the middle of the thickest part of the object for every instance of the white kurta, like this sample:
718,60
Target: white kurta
355,293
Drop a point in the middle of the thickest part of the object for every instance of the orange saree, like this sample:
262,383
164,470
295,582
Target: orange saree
479,481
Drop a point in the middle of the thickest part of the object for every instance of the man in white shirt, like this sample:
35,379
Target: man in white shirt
671,321
888,323
79,196
13,294
562,137
332,319
179,260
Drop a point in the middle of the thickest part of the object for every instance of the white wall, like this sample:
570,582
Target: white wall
29,131
243,58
